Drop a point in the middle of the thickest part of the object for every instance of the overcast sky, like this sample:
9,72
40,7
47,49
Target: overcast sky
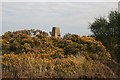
71,17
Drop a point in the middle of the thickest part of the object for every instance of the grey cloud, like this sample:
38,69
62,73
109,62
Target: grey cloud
65,15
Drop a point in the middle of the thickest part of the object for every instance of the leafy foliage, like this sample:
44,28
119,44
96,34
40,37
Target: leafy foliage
40,55
108,32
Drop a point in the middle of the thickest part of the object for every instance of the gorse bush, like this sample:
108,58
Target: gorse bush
20,43
87,46
38,65
25,55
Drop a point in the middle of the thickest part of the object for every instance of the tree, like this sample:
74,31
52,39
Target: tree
107,30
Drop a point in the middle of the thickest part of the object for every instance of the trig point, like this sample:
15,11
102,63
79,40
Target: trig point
56,32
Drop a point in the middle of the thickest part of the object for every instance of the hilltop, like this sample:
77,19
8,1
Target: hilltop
34,54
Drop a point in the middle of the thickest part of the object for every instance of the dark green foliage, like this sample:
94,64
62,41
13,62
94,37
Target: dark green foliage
108,32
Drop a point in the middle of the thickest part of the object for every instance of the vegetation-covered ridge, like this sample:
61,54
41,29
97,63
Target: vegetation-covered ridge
33,54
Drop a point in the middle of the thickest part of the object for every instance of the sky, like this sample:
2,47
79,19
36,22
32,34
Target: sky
71,17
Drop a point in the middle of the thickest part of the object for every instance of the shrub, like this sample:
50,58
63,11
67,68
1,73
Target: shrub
41,56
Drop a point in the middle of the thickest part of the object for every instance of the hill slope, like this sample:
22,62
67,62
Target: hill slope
32,53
